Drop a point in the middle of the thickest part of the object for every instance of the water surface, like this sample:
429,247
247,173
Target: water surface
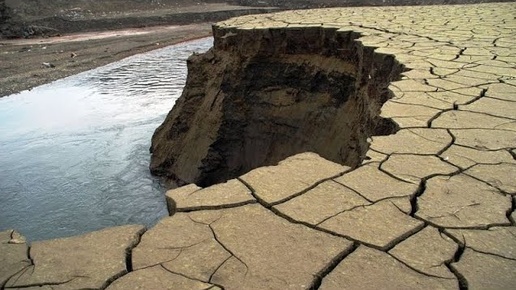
74,154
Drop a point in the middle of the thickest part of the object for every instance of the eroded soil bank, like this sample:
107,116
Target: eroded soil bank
127,28
260,96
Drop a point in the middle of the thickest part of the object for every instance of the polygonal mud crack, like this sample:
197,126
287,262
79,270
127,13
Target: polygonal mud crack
414,168
493,107
178,243
374,185
408,115
367,268
92,260
467,120
427,251
278,254
157,277
323,201
413,141
224,195
252,246
501,176
465,157
380,225
486,271
498,241
276,184
461,201
484,138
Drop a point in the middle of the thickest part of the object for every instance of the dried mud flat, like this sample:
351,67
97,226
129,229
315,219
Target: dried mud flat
431,207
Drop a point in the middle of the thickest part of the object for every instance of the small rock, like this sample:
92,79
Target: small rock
48,65
17,236
229,34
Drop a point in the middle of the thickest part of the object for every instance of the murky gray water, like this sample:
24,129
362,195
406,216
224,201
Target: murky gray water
74,154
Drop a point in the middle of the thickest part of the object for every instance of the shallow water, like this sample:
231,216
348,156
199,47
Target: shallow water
74,154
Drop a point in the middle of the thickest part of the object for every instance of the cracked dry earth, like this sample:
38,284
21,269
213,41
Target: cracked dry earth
430,207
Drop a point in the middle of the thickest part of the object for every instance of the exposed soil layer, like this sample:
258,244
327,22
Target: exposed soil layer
260,96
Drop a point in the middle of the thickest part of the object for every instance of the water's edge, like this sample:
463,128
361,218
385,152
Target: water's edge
75,152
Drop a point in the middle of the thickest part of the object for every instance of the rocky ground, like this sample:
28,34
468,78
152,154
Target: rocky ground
430,207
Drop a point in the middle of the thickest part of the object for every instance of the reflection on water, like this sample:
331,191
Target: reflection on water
74,154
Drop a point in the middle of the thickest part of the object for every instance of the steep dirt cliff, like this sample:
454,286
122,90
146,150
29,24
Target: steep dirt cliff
259,96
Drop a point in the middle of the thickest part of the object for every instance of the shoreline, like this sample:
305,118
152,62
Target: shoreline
28,63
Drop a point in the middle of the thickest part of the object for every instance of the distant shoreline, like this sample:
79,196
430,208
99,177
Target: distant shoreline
27,63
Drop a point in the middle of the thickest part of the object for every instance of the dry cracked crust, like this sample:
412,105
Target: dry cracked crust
431,207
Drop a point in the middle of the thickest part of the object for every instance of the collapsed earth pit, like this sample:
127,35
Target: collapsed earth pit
261,95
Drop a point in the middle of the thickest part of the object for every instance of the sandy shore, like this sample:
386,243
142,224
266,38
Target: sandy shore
27,63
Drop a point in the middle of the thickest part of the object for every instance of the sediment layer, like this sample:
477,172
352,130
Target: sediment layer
261,95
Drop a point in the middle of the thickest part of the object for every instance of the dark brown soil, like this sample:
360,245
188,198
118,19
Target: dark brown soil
259,96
